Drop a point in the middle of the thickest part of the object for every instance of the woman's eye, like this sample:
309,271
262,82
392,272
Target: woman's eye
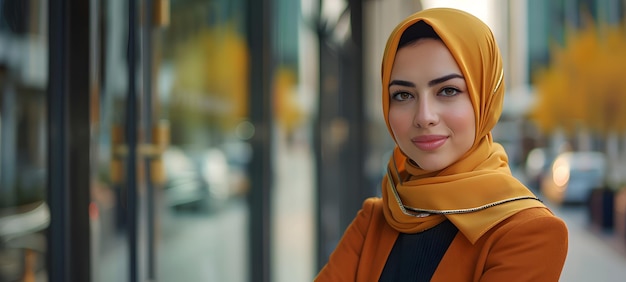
401,96
449,91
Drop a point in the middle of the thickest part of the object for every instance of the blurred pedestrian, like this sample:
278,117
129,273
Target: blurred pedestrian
450,208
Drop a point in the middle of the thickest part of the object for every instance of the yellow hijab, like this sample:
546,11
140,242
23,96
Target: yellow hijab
477,191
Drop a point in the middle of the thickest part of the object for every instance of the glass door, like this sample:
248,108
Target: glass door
129,142
114,188
179,213
200,71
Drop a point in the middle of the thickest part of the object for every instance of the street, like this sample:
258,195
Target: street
593,255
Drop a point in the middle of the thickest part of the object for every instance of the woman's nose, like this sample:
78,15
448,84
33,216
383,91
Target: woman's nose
425,114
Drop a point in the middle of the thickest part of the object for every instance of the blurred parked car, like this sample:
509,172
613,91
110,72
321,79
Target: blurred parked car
198,181
572,177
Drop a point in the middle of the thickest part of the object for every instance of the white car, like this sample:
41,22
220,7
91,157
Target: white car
198,180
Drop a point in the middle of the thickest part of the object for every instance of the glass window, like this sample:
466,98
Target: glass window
24,213
193,150
201,66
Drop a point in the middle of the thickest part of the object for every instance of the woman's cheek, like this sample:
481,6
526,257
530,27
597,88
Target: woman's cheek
399,122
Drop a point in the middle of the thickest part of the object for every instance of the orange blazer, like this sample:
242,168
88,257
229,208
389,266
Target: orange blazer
528,246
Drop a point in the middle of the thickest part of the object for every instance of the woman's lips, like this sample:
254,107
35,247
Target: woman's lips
429,142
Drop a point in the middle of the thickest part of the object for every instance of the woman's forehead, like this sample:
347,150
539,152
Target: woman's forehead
425,56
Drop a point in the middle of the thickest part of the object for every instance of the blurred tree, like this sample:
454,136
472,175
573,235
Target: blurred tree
211,84
288,111
583,87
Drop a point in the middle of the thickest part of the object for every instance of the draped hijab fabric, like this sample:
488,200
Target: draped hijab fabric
481,177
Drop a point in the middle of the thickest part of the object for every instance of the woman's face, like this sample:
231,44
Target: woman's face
430,112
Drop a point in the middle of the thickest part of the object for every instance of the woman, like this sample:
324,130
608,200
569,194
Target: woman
450,208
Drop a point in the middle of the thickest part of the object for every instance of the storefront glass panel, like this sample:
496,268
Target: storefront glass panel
192,150
24,213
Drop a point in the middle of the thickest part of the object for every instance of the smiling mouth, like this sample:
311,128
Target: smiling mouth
429,143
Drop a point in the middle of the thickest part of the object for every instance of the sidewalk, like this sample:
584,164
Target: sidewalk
593,255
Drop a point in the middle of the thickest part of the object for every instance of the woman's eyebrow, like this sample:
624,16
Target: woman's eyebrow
444,78
430,83
401,83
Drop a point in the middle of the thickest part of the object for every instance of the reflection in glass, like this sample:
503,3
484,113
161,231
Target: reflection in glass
24,214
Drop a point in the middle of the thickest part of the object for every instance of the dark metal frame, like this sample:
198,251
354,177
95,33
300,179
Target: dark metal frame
260,167
148,118
341,179
68,255
130,133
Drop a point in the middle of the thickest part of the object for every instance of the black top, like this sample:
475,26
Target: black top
415,257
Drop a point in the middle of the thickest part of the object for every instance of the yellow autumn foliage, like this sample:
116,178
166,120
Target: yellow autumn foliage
584,85
212,76
288,112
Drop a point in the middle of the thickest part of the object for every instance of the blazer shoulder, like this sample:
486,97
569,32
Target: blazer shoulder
372,204
533,223
372,210
531,245
535,215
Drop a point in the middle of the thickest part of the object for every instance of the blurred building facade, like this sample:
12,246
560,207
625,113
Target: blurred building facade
253,127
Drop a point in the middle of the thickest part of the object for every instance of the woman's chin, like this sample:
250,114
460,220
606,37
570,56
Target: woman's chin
430,165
